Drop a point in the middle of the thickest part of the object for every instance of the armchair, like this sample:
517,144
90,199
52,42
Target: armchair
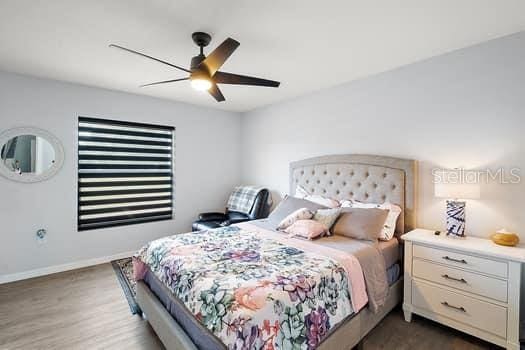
260,209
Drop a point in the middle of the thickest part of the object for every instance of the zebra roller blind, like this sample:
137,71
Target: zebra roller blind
125,173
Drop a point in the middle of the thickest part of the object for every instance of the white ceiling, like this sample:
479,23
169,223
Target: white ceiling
307,45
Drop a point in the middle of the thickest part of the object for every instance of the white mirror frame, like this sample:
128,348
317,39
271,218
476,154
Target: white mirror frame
27,177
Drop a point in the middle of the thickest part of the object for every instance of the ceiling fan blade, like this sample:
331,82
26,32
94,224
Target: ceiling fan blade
216,93
237,79
152,58
217,57
164,82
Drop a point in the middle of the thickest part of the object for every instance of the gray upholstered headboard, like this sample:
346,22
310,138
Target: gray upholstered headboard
366,178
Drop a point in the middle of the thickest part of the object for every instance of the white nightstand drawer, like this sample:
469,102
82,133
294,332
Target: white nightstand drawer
465,261
470,311
467,281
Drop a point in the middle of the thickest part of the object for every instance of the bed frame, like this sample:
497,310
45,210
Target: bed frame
366,178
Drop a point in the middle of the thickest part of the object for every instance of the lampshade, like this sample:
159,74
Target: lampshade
457,190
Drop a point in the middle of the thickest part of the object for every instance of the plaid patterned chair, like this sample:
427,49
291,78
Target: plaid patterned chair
245,203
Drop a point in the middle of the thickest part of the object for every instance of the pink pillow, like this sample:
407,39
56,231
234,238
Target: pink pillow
309,229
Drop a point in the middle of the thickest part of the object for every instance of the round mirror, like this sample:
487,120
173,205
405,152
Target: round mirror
29,154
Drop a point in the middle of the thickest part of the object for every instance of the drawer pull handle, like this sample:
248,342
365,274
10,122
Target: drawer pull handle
462,261
459,308
462,280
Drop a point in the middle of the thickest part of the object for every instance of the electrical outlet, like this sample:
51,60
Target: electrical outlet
41,236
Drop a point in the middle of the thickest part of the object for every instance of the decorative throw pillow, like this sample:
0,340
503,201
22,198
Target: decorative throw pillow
308,229
299,214
288,205
388,231
361,223
301,192
327,217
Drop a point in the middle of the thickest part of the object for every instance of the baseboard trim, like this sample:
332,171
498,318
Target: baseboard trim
61,268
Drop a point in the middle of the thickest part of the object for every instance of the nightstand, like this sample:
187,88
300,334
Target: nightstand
470,284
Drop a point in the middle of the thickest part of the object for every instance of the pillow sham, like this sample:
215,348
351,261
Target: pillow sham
301,192
299,214
389,229
360,223
308,229
327,217
288,205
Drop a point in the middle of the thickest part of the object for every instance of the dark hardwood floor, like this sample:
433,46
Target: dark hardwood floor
394,333
81,309
86,309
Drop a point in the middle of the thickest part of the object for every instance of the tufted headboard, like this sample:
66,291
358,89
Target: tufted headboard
366,178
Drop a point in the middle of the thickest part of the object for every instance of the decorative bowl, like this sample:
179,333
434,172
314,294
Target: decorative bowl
503,237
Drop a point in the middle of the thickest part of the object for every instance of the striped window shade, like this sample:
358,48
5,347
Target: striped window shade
125,173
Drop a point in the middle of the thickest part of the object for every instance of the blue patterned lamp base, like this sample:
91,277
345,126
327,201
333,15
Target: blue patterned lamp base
456,218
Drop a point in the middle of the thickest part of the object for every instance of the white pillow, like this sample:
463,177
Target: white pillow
300,192
299,214
390,223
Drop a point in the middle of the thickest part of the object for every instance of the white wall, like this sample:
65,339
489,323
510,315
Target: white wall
463,109
206,160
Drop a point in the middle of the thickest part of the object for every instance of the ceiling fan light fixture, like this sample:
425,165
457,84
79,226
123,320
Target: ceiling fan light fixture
200,84
199,80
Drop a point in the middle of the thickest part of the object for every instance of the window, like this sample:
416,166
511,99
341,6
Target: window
125,173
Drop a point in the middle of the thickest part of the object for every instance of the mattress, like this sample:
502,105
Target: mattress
393,273
199,334
204,339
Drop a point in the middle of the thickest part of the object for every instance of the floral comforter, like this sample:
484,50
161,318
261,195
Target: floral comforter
251,291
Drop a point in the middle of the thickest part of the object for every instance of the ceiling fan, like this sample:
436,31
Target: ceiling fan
204,73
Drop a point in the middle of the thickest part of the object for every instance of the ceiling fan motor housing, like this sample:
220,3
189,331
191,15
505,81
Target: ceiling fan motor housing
196,60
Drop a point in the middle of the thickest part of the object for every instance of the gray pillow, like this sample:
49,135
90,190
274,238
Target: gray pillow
360,223
290,204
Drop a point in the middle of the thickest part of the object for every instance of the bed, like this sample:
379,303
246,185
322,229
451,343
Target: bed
366,178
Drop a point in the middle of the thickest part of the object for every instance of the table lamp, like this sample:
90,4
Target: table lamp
455,193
